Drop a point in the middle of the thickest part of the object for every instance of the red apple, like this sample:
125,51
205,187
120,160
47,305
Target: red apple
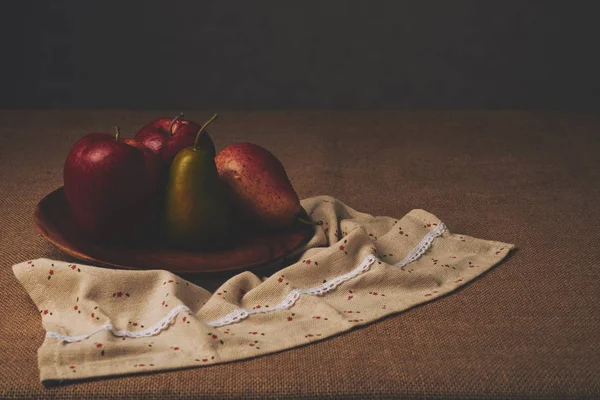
111,185
168,136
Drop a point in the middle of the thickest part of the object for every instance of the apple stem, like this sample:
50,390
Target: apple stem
177,118
309,222
197,141
117,133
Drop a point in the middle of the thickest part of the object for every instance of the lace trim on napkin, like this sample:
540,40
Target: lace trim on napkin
294,295
153,330
423,245
288,301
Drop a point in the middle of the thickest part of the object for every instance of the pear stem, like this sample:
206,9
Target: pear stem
197,141
308,222
117,133
177,118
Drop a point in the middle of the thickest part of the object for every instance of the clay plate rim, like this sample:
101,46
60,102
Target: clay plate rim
260,251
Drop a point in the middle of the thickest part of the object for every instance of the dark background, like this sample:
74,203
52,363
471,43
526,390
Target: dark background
247,55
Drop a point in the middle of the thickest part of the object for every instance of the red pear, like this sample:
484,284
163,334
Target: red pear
258,186
111,185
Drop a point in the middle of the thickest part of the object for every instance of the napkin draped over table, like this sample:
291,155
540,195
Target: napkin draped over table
356,269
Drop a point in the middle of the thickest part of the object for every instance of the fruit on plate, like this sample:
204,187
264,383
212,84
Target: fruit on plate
197,215
111,186
258,186
167,136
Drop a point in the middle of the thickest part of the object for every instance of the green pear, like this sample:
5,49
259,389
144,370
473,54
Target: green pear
197,213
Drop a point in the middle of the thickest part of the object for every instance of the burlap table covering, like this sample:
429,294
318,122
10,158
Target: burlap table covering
527,329
356,269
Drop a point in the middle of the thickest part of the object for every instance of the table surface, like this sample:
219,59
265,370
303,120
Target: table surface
527,328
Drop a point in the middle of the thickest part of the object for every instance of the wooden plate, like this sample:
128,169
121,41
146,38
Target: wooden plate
54,222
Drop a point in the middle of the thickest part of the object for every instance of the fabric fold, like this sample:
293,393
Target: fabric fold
356,269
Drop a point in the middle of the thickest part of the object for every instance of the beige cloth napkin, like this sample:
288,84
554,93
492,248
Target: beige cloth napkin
356,269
